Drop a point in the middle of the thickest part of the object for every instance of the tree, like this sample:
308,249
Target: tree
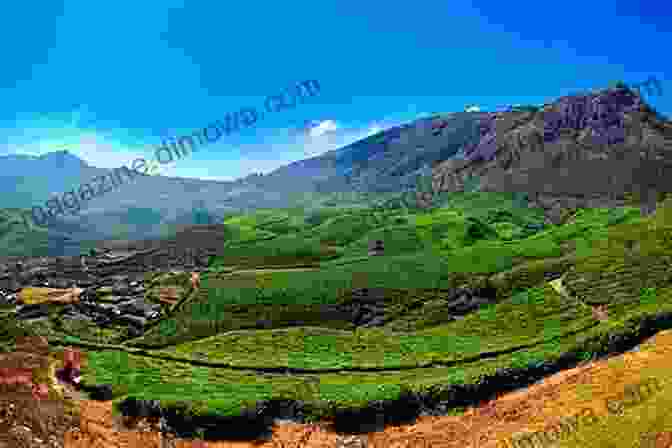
472,184
200,214
618,85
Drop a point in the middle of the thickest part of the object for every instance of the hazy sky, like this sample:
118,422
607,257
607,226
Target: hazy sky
106,80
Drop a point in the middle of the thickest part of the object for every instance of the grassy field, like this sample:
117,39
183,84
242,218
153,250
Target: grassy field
227,391
613,257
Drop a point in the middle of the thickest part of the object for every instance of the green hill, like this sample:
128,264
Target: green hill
207,353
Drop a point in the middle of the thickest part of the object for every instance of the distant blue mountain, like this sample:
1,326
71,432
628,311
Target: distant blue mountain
388,161
29,180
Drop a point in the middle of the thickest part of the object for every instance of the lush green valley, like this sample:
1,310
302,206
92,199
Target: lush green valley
255,317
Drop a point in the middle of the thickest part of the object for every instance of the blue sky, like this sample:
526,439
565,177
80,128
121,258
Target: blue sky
107,80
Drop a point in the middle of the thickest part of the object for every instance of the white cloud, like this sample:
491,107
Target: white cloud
328,135
332,136
322,128
99,152
472,109
102,149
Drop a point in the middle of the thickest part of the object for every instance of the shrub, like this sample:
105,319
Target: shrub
528,274
315,219
478,230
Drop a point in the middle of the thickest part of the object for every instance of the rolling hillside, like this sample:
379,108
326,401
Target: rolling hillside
246,320
295,318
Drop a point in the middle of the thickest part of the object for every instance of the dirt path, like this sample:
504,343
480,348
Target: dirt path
262,271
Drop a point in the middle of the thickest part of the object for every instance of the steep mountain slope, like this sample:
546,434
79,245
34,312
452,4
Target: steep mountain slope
388,161
592,149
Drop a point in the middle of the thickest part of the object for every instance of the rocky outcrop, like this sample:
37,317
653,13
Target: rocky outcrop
580,151
370,307
367,307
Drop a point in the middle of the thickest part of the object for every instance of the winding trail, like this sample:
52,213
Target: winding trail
158,354
265,270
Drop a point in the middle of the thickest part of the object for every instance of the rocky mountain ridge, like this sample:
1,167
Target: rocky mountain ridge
586,150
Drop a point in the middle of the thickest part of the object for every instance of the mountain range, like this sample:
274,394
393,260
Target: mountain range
232,330
547,152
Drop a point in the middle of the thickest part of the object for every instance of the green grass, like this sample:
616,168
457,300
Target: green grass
495,328
239,301
227,391
280,251
213,306
635,255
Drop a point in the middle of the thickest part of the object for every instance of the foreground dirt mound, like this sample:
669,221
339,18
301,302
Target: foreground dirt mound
26,422
100,428
33,409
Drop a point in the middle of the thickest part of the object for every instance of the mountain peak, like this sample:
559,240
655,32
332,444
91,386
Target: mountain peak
601,144
63,158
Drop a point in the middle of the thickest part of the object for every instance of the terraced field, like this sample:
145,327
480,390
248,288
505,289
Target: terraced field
471,300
